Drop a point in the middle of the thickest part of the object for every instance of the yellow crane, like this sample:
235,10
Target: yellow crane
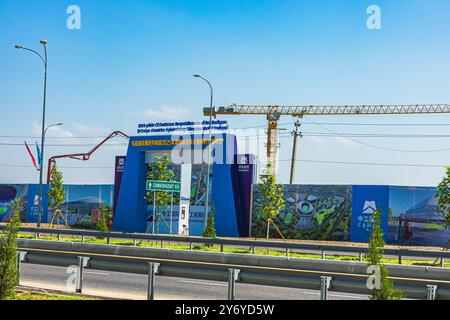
273,114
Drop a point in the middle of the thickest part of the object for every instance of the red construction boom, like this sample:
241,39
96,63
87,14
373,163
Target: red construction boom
82,156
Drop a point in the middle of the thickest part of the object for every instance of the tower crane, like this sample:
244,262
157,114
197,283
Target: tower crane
274,112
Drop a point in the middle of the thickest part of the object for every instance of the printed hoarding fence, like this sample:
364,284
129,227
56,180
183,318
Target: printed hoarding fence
311,213
344,213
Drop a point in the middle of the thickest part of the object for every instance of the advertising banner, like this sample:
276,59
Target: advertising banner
118,173
79,207
8,193
312,212
367,199
413,218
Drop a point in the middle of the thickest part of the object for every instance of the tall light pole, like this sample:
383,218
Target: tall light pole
41,167
209,146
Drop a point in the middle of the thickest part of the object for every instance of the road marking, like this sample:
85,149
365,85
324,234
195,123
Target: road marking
334,294
204,283
97,273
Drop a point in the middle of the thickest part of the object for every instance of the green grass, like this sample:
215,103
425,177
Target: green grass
433,227
49,296
179,246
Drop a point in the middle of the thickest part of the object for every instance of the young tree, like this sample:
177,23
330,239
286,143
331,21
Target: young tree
385,289
101,224
210,230
159,170
105,215
8,254
272,198
57,193
443,196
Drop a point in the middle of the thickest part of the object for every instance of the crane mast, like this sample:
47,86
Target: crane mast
274,112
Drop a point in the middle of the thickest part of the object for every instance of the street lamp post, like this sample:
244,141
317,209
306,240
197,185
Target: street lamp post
209,146
41,167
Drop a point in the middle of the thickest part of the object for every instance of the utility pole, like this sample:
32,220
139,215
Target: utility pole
296,133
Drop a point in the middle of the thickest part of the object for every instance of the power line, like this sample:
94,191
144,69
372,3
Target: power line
67,145
62,167
373,163
380,147
262,126
283,160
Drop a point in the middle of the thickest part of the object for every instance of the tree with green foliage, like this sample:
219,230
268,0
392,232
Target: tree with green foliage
443,197
101,224
107,212
105,215
210,229
8,253
385,290
271,201
159,170
57,193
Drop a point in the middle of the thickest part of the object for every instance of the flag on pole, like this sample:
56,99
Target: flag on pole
39,155
31,155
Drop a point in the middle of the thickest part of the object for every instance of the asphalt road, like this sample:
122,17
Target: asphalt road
134,286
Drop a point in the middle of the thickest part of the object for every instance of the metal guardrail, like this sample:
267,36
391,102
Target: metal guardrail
227,242
93,256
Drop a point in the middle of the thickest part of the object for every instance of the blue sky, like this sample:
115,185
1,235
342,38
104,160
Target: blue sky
133,60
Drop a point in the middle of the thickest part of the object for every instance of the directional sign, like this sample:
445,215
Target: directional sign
167,186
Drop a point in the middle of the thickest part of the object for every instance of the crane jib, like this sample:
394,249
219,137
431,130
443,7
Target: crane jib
331,110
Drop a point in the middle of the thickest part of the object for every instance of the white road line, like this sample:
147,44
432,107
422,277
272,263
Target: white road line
96,272
334,294
204,283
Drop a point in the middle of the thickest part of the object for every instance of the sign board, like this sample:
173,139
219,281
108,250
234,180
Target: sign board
187,127
167,186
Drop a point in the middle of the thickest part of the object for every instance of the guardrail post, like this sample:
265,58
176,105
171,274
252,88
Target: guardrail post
20,259
233,276
323,254
134,242
190,245
399,259
431,292
162,244
82,239
153,269
360,257
36,235
82,262
442,262
107,239
58,236
325,283
287,252
221,247
253,250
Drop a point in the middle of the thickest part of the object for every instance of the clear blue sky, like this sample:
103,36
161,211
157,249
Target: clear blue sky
132,59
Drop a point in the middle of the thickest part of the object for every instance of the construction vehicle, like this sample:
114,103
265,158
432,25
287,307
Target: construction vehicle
82,156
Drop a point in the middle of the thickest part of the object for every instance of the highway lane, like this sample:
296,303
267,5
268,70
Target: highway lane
134,286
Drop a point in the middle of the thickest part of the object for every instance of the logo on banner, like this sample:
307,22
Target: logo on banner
243,160
243,163
365,219
369,207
